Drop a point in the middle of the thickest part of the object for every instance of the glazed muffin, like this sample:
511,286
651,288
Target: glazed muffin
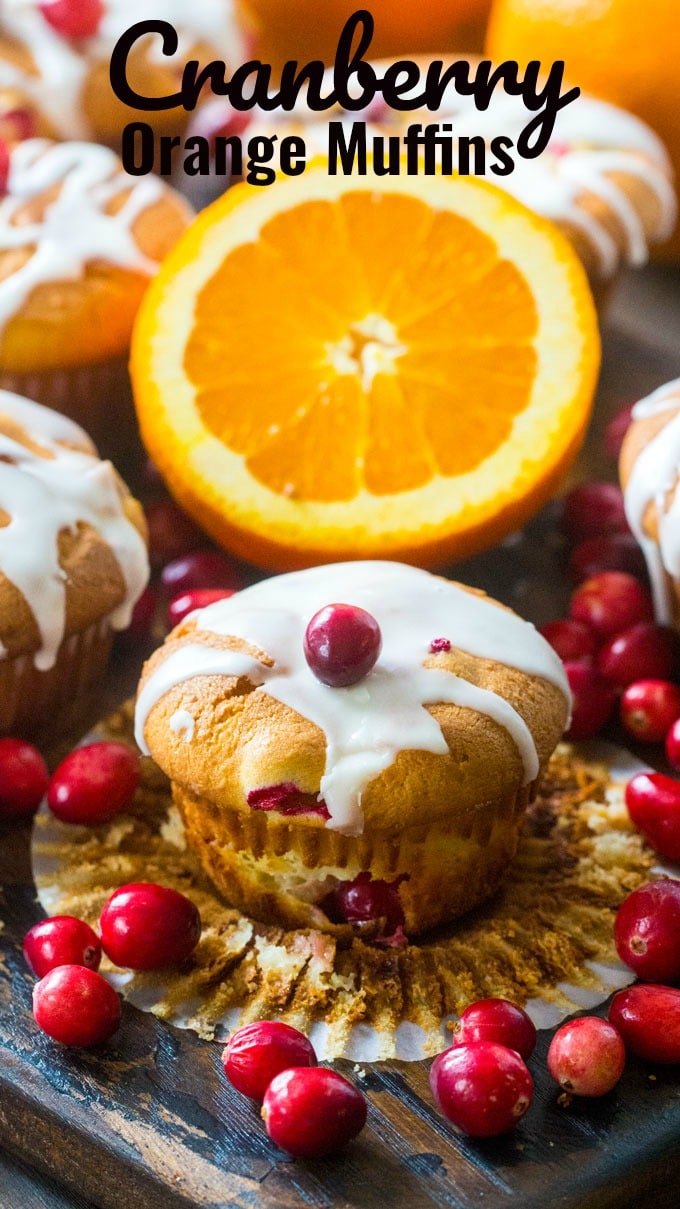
649,469
605,178
79,242
395,802
57,80
73,563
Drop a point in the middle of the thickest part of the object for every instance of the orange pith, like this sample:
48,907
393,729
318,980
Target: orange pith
351,367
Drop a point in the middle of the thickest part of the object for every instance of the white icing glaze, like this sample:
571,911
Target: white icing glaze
367,724
595,140
43,496
183,724
75,228
654,475
63,68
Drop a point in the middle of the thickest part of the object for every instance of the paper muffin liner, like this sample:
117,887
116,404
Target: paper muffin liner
44,705
98,397
544,941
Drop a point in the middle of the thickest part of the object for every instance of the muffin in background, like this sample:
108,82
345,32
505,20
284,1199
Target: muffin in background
407,788
79,242
73,563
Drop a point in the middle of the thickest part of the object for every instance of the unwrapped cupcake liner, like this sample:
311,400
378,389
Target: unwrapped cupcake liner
544,941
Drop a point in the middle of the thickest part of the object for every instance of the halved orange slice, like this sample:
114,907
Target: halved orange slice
342,367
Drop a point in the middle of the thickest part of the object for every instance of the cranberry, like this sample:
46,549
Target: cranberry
5,165
501,1021
141,622
94,783
593,700
586,1056
342,643
76,1006
17,125
258,1052
645,651
73,18
363,900
653,802
592,509
61,941
438,645
571,639
611,602
648,1018
171,533
647,931
481,1087
202,569
607,552
616,431
286,798
23,778
312,1111
147,927
649,708
673,745
184,604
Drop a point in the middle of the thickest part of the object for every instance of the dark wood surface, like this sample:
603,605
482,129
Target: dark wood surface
149,1121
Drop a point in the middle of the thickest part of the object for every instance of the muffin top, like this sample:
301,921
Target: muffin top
72,538
649,468
79,240
64,80
464,695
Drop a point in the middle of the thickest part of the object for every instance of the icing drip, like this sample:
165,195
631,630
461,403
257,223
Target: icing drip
74,228
43,496
367,724
654,475
62,70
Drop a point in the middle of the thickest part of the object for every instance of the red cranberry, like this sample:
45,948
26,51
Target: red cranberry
438,645
61,941
94,783
147,927
501,1021
5,164
342,643
76,1006
593,700
592,509
645,651
673,745
653,802
607,552
649,708
17,125
171,533
73,18
141,622
184,604
312,1111
363,900
647,931
286,798
23,778
202,569
571,639
648,1018
481,1087
616,431
611,602
258,1052
586,1056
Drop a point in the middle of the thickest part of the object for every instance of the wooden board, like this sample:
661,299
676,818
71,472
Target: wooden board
150,1121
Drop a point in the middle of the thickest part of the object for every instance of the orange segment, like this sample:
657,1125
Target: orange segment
349,367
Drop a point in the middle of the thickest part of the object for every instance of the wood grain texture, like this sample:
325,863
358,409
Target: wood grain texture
149,1121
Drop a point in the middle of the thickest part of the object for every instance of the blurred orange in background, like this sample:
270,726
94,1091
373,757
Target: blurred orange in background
309,29
625,51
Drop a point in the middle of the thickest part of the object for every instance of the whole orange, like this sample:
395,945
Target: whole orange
307,29
624,51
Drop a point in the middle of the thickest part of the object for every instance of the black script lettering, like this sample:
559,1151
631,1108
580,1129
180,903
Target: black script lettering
349,63
393,88
292,82
549,96
119,58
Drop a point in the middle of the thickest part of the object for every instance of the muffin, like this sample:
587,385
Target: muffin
605,178
649,469
73,563
60,83
312,805
79,242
